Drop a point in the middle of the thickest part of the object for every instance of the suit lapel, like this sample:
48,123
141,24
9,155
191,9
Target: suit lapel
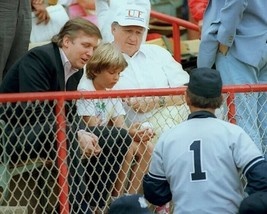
73,81
60,68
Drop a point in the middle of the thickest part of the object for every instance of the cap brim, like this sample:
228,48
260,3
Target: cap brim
132,24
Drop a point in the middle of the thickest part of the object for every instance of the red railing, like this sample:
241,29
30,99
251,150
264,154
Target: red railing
74,95
176,23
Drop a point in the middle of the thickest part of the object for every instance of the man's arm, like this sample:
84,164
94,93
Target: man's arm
156,189
230,17
257,177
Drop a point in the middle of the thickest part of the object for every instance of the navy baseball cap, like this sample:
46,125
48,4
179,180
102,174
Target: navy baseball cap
129,204
205,82
255,203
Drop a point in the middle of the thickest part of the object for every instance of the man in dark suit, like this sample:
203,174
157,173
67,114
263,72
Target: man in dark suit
58,66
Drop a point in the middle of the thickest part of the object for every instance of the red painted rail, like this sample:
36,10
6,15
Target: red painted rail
176,24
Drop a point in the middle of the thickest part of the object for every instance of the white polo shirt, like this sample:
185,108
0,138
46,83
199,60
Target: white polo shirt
104,109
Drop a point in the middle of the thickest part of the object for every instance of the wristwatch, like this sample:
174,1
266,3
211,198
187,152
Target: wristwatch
162,101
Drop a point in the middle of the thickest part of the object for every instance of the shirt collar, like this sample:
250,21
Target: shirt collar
201,114
68,70
140,51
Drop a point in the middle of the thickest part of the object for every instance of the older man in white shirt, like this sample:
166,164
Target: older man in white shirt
149,66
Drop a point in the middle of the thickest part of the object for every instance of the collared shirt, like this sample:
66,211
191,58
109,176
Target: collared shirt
68,70
152,67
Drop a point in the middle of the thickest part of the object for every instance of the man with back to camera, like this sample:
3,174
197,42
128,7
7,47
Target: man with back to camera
198,163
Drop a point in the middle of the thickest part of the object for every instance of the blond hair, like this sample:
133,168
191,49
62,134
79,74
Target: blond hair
106,56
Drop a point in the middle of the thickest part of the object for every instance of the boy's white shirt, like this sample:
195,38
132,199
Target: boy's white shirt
104,109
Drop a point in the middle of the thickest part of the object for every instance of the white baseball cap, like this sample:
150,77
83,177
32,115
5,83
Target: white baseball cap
132,15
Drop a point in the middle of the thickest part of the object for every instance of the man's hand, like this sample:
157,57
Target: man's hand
143,104
141,134
223,49
40,11
88,143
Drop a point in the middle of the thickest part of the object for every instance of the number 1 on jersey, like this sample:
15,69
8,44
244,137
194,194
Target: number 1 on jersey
197,174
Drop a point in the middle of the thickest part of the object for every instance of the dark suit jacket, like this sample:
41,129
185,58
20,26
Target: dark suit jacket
40,70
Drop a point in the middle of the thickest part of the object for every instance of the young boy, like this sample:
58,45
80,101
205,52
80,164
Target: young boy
103,72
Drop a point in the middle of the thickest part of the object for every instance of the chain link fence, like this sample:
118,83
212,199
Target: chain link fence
43,170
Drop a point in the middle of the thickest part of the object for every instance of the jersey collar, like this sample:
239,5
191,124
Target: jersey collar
201,114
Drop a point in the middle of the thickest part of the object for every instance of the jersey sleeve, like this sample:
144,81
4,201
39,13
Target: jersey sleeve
257,177
245,151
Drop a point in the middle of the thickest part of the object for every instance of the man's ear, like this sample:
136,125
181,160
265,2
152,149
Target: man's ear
187,100
113,28
66,41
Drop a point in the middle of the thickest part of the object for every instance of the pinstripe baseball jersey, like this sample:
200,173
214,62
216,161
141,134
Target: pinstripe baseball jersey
201,160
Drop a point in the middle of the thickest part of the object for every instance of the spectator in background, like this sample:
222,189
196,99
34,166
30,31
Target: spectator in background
103,71
84,9
15,31
106,11
233,38
198,163
197,9
58,66
196,12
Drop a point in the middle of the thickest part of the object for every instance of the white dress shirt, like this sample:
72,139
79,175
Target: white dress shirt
151,67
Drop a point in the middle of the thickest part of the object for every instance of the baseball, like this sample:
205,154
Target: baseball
146,125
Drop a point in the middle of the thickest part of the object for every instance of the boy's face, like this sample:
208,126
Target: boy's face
106,79
79,50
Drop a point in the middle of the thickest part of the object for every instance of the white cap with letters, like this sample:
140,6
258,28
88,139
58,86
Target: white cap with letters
132,15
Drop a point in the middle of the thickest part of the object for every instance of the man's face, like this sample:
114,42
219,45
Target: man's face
128,38
80,49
